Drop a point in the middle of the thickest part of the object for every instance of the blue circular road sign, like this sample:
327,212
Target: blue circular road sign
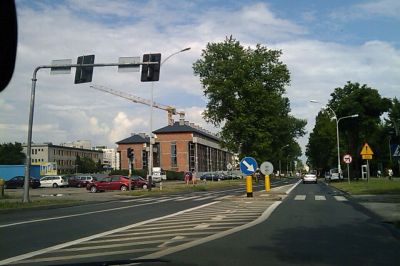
248,165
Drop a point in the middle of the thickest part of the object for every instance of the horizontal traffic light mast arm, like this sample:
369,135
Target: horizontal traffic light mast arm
96,65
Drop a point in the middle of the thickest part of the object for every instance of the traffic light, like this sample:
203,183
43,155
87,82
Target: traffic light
84,74
130,154
151,72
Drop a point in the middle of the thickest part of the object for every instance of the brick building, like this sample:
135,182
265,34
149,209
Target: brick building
181,146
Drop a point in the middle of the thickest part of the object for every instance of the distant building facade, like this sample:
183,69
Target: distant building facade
80,144
62,156
181,146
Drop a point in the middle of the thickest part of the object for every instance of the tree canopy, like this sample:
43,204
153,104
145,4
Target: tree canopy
11,154
368,127
245,90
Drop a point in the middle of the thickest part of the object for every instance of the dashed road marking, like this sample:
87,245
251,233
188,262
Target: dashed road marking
300,197
340,198
320,197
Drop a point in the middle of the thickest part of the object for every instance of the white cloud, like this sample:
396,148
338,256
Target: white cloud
366,10
110,29
123,127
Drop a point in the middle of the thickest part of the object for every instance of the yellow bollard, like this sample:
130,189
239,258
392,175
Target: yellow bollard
249,186
267,184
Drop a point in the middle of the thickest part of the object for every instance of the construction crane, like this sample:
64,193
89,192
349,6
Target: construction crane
170,109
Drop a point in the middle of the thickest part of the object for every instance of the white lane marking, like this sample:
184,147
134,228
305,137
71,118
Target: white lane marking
290,190
200,241
340,198
202,226
139,200
171,241
320,197
204,198
109,246
188,198
97,254
300,197
78,241
218,217
78,214
178,198
135,238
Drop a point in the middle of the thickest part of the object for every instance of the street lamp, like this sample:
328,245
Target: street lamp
150,164
337,131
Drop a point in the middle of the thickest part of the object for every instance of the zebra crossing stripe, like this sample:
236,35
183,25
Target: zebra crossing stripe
300,197
320,197
340,198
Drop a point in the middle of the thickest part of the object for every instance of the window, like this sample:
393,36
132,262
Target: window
173,154
144,159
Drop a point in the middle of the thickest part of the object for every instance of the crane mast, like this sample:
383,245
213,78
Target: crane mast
136,99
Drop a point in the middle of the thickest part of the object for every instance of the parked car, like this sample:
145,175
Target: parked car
80,180
116,182
18,181
213,177
140,182
333,174
54,181
311,176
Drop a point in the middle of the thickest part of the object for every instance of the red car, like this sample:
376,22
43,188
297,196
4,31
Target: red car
116,182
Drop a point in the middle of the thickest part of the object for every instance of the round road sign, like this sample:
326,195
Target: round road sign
266,168
347,158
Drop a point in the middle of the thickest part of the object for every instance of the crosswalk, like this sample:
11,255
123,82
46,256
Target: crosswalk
318,197
156,235
177,198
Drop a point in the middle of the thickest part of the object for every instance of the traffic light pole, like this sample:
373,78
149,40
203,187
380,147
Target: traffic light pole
25,198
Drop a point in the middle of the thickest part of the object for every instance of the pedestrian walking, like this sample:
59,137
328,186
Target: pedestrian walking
194,177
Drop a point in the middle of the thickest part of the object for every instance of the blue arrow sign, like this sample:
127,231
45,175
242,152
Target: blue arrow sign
248,165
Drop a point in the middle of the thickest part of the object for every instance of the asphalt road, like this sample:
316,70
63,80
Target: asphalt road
29,233
314,225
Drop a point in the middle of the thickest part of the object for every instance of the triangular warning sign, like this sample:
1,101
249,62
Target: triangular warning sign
366,150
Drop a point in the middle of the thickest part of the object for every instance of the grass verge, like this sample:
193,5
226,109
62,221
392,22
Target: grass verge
374,186
7,205
181,187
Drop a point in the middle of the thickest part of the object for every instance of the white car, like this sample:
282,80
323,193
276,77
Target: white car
333,175
311,176
54,181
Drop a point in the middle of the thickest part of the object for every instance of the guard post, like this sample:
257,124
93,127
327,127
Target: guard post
267,183
2,185
248,165
267,168
249,186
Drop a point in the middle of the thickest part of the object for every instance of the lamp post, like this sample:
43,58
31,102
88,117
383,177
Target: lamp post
337,131
151,140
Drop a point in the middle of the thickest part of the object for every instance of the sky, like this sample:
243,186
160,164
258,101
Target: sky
323,43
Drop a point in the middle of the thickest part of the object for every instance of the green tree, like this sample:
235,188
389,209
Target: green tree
321,148
245,89
11,153
85,165
365,101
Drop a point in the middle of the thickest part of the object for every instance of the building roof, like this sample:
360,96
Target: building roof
179,128
136,138
51,145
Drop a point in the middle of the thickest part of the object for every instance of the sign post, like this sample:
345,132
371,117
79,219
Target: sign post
267,168
248,166
366,153
347,159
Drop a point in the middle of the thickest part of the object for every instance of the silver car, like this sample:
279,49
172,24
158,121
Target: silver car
311,176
